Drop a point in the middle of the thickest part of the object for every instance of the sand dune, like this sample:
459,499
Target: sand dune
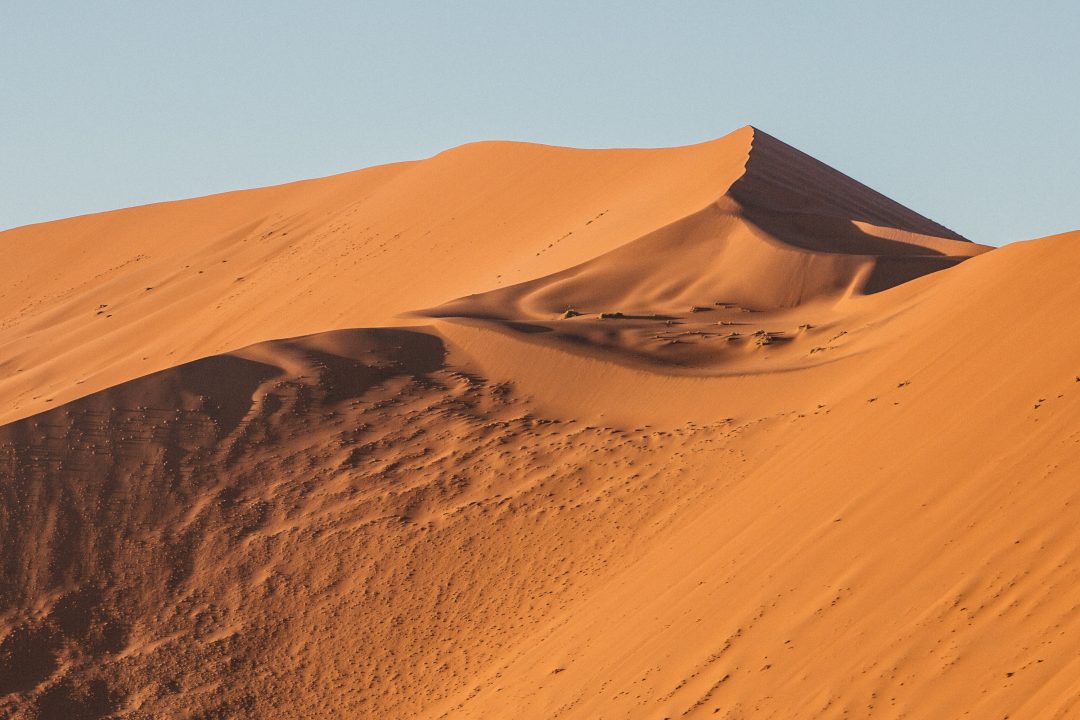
789,233
336,449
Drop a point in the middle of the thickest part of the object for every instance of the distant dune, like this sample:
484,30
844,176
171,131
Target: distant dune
535,432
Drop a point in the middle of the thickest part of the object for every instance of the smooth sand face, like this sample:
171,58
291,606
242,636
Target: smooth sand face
336,449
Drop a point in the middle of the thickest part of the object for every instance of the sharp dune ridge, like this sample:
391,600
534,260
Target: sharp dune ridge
518,430
782,178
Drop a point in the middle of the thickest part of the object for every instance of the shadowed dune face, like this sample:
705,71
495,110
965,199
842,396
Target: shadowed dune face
798,452
167,552
781,179
132,517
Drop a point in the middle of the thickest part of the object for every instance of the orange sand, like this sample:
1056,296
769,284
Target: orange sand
335,449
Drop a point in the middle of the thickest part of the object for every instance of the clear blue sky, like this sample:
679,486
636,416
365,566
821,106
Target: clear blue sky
968,112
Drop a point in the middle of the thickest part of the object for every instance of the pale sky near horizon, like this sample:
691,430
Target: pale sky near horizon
965,111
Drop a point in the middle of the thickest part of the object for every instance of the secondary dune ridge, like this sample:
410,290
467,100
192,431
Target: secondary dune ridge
711,431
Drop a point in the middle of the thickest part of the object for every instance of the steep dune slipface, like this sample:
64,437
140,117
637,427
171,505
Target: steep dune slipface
819,492
781,180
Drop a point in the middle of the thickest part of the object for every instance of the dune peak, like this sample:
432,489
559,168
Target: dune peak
782,178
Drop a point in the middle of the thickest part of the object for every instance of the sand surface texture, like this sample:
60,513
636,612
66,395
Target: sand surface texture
524,432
